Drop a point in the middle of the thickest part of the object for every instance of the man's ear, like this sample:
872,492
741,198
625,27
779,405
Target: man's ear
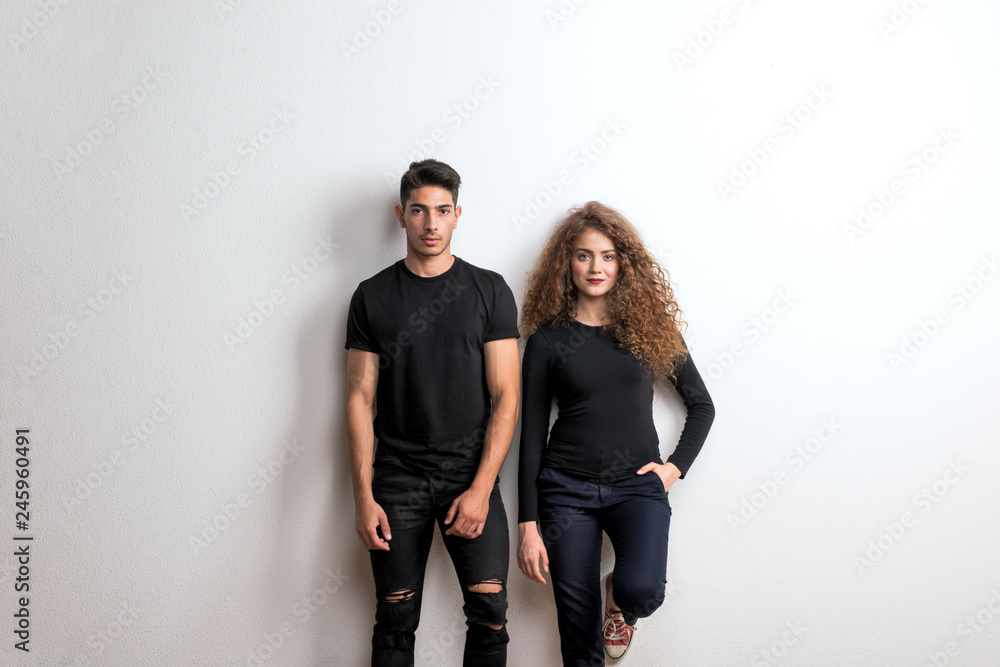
458,214
399,215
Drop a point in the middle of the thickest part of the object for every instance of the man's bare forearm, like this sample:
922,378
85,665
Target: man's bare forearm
499,433
360,445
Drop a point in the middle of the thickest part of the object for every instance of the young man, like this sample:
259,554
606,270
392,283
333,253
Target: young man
433,375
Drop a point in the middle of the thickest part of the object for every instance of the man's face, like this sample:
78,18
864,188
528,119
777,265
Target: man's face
429,218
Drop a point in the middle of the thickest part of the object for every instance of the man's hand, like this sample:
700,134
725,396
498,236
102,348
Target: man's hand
668,473
369,517
530,551
469,512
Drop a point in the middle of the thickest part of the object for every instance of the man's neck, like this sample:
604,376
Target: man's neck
428,267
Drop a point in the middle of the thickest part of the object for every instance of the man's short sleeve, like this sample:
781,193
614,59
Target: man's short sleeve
359,332
503,319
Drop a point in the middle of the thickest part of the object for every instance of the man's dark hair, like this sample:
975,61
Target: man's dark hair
429,172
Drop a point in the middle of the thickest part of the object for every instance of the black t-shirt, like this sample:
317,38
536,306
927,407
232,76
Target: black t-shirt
432,399
604,429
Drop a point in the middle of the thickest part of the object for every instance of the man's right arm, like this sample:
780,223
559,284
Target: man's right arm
359,411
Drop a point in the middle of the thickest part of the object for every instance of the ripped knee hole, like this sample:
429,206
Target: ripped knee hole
399,596
488,586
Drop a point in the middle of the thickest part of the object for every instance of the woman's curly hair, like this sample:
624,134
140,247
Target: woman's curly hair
645,318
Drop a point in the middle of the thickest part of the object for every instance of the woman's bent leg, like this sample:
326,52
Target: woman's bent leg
638,525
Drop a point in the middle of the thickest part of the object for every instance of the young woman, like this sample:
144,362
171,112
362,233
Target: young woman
603,330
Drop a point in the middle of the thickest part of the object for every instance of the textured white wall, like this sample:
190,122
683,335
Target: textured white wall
192,190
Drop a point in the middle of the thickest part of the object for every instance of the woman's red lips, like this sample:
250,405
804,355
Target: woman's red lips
595,281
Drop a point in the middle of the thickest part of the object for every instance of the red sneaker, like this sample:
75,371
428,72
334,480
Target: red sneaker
617,633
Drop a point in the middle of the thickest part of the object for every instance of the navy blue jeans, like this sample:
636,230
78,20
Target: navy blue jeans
572,515
413,502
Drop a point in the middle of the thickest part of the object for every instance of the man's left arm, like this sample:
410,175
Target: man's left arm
469,510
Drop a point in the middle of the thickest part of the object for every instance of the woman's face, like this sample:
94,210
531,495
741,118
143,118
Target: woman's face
594,263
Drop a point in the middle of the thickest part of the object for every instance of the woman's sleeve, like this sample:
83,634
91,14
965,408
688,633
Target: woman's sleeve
536,404
700,415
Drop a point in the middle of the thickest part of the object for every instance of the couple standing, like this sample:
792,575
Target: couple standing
434,377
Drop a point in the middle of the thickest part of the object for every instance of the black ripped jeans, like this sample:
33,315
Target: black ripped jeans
413,502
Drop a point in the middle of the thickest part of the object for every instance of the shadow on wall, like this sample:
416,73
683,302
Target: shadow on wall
314,551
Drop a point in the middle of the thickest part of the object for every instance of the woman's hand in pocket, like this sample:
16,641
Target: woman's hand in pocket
667,472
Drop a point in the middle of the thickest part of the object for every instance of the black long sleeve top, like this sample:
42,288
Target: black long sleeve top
604,429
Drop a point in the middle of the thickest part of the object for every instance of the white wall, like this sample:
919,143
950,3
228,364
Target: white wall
116,114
